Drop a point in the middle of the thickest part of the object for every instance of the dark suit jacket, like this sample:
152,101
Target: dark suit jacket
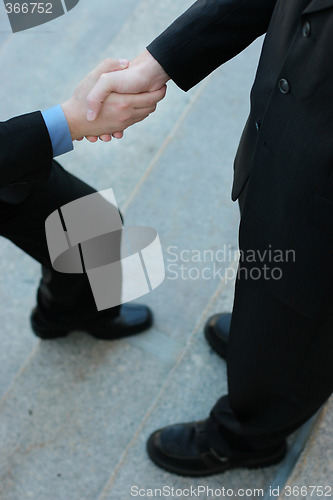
286,151
25,150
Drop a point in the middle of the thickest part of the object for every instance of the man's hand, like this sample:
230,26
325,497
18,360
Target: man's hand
144,74
119,111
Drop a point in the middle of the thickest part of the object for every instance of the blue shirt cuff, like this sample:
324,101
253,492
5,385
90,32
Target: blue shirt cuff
58,129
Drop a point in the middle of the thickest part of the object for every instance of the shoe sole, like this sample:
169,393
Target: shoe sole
94,332
246,463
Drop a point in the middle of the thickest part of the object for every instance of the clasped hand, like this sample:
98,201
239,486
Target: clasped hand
104,107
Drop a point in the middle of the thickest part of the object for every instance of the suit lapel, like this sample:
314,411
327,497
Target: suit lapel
316,5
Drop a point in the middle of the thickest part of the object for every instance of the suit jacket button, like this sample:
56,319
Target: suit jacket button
284,86
306,29
258,126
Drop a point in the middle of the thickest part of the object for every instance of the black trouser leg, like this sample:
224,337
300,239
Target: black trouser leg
280,372
24,224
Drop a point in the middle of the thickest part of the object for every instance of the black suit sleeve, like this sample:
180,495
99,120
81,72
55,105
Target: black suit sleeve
208,34
25,149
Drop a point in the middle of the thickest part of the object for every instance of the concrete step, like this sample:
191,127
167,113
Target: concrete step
197,380
19,279
312,475
53,58
5,29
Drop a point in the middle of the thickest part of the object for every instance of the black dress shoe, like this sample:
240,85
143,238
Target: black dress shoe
133,318
184,450
217,333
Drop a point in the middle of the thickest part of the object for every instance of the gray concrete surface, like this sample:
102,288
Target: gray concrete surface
312,476
75,413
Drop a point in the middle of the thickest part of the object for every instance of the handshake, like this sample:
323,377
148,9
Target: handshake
114,96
